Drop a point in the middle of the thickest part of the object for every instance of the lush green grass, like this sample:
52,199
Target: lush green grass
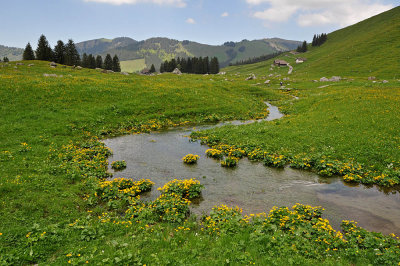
132,66
369,48
49,169
354,119
47,112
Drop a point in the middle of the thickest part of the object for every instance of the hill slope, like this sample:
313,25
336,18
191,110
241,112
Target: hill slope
368,48
156,50
12,53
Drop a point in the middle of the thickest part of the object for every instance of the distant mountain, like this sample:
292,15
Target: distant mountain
135,55
12,53
100,46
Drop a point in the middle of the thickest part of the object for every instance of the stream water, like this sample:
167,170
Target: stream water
251,186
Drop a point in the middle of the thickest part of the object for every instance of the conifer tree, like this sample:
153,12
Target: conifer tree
108,62
304,47
43,50
59,52
214,65
91,62
85,61
116,67
162,68
99,61
28,53
5,59
152,68
72,57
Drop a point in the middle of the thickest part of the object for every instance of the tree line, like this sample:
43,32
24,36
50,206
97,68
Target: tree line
319,39
256,59
67,54
193,65
302,48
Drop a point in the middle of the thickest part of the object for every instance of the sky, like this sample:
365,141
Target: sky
205,21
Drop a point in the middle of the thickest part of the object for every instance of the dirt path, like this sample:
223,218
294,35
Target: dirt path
290,69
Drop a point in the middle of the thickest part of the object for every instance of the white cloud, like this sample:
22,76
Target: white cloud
176,3
225,14
318,12
190,21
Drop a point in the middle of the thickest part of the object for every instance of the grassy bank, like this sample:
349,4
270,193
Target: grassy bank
56,207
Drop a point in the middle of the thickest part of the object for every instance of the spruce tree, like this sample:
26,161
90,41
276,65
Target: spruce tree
28,53
99,61
85,61
304,47
108,62
162,68
59,52
91,62
152,68
72,57
116,67
43,50
5,59
214,65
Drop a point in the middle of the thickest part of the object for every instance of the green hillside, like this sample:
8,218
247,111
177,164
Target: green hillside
157,50
368,48
12,53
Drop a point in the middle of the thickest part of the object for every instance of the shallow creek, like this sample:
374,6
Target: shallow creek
251,186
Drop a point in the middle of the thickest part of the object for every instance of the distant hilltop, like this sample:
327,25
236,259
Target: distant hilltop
136,55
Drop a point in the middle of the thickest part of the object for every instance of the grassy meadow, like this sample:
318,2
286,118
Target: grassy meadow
132,66
59,206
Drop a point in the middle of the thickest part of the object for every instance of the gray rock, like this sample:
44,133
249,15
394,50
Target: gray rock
221,73
53,64
385,81
371,78
31,65
79,67
251,77
177,71
19,64
315,80
51,75
323,79
335,78
267,81
125,73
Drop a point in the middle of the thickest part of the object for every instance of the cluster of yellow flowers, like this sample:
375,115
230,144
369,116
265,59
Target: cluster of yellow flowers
190,159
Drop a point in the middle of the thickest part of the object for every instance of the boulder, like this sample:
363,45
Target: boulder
177,71
385,81
323,79
221,73
125,73
251,77
31,65
79,67
335,78
371,78
53,64
267,81
19,64
52,75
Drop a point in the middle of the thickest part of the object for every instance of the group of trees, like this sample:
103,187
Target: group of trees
67,54
319,39
255,59
194,65
302,48
89,61
5,59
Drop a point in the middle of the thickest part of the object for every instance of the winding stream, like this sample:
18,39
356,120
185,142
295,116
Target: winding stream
251,186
